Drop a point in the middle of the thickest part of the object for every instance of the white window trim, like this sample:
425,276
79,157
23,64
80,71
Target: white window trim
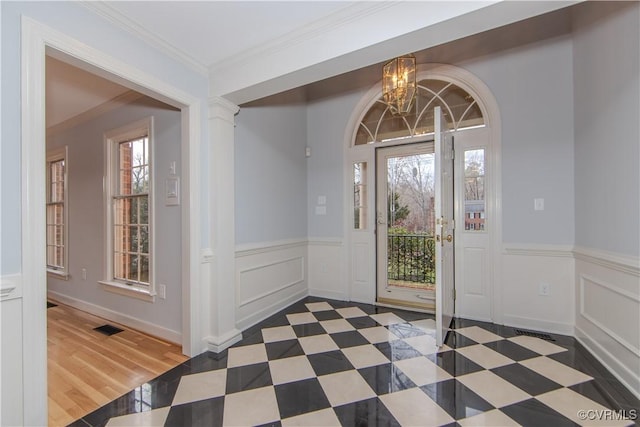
61,153
111,138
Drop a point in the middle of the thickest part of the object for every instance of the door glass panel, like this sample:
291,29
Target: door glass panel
474,196
360,195
411,221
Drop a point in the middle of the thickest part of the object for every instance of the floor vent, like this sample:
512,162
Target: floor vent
534,334
108,329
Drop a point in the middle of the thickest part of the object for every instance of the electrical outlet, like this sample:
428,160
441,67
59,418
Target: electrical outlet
84,274
162,291
544,289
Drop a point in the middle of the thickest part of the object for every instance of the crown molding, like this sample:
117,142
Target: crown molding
340,18
116,102
112,15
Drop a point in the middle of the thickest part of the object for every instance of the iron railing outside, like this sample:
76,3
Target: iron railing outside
411,258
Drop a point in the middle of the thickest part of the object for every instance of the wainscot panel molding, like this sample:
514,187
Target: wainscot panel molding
608,311
525,269
327,269
269,277
166,334
10,286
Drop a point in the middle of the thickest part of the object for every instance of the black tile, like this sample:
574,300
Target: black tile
300,397
282,349
454,363
126,404
534,413
526,379
370,412
329,362
405,330
456,340
397,350
108,330
255,337
349,339
272,424
248,377
327,315
455,398
362,322
511,350
203,412
79,423
413,316
386,378
595,391
207,361
308,329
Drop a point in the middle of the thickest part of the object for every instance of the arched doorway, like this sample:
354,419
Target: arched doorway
472,117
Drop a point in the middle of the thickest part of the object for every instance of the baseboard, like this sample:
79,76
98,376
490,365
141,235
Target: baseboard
538,325
609,361
222,342
270,310
169,335
321,293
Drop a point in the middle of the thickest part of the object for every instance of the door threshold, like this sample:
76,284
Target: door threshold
428,308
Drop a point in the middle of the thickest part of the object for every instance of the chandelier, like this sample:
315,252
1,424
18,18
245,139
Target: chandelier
399,84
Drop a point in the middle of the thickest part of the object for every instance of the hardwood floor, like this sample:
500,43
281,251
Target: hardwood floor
87,369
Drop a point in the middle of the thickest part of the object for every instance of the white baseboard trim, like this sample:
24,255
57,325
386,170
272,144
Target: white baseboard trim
538,325
222,342
609,361
260,315
10,286
166,334
321,293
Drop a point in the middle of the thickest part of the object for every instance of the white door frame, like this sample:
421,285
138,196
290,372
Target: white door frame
37,39
489,107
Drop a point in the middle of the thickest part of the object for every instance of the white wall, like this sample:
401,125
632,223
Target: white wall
607,177
87,215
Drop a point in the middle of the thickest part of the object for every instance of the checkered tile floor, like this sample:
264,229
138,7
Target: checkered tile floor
331,363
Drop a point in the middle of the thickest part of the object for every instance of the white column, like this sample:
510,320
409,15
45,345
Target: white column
222,291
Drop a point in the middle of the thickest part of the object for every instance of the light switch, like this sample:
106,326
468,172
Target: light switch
172,191
322,200
538,204
321,210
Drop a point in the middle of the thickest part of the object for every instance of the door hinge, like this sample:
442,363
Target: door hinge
453,291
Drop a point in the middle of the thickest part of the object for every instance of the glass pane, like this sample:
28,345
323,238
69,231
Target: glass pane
144,269
132,238
474,190
144,239
122,211
394,127
360,195
120,238
143,205
133,265
139,152
120,265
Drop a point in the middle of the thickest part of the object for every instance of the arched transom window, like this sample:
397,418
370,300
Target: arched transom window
460,110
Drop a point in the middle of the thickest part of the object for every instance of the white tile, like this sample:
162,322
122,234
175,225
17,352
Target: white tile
319,306
204,385
363,356
556,371
290,369
536,344
251,407
336,325
246,355
155,417
570,404
301,318
345,387
493,389
350,312
479,334
484,356
494,417
317,344
427,325
323,418
414,408
386,319
377,335
425,344
280,333
422,371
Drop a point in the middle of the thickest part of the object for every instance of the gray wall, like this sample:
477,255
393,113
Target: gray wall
607,113
87,213
270,173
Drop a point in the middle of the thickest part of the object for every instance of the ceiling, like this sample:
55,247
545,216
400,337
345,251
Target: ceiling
257,35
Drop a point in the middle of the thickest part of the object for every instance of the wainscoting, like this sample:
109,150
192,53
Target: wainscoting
608,312
269,277
327,269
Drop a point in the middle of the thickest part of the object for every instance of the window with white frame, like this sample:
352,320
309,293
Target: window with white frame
129,207
57,224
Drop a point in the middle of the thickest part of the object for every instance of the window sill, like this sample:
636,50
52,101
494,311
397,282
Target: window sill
58,274
129,291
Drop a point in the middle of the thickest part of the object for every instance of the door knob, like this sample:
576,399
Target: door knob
449,238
